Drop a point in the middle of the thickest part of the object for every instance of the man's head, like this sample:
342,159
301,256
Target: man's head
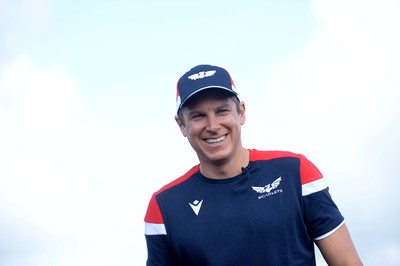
210,114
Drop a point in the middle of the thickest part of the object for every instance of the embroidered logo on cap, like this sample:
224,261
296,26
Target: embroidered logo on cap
202,74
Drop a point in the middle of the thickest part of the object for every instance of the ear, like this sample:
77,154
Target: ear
242,115
181,125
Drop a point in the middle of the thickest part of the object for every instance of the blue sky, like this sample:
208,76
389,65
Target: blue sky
87,100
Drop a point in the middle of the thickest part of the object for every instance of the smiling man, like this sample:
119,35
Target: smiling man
239,206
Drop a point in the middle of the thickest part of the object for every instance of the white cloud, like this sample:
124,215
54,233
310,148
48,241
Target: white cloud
34,100
21,22
360,50
38,97
40,181
338,86
40,200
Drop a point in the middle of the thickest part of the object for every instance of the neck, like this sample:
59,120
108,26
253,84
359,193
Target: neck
227,169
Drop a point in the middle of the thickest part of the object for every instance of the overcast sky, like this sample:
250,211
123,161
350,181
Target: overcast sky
87,102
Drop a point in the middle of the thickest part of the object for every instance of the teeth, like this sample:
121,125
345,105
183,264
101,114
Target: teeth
215,140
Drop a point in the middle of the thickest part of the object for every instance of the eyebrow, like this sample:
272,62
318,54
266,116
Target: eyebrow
224,106
190,113
196,111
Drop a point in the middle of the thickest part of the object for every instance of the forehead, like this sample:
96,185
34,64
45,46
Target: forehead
208,96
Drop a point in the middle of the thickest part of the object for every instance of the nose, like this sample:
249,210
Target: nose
213,123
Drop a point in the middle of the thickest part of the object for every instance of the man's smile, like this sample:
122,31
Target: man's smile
215,140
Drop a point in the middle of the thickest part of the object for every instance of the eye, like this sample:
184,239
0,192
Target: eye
223,111
196,116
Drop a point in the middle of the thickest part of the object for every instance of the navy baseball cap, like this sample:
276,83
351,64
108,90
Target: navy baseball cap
200,78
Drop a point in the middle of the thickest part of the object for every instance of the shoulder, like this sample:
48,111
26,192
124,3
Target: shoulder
256,155
308,171
153,214
179,180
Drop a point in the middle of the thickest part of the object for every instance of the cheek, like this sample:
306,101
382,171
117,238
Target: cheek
189,130
192,130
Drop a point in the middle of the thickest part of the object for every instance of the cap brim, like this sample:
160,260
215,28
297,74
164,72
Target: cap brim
203,89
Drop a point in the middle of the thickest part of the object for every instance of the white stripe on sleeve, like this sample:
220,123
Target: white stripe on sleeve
330,232
313,186
154,229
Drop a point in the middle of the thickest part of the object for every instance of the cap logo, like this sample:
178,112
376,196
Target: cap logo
202,74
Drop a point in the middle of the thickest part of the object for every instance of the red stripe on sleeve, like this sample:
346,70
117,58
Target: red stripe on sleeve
308,171
153,214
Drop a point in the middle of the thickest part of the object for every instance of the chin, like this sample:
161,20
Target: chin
218,156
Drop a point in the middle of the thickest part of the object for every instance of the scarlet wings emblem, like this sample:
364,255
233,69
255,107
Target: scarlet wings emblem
268,188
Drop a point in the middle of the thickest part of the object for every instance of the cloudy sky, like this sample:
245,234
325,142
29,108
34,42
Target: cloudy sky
87,100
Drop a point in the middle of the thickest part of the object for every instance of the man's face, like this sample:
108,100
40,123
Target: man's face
212,125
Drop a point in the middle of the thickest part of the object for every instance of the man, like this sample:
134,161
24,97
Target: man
239,206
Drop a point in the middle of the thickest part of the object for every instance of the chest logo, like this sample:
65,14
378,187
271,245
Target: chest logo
269,189
196,205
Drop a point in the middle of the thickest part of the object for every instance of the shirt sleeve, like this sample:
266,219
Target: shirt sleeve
322,216
159,251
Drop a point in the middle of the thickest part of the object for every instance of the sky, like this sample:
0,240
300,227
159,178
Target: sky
87,105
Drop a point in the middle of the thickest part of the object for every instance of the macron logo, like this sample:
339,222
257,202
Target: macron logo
202,74
196,205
